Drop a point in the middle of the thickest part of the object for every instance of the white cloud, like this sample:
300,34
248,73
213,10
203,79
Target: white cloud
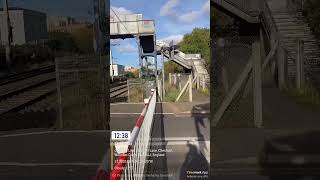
175,38
168,10
206,7
126,48
189,17
119,10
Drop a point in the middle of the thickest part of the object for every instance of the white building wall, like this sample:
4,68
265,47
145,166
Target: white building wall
27,26
118,70
17,23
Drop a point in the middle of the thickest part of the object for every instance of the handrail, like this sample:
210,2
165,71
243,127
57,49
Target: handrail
266,12
267,15
242,7
140,136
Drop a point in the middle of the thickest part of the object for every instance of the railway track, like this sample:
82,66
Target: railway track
118,89
25,75
20,90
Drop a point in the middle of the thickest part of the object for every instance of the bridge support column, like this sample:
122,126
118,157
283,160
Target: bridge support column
190,88
203,83
282,68
163,78
300,79
198,82
257,84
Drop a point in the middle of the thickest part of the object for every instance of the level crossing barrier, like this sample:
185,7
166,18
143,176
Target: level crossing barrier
131,164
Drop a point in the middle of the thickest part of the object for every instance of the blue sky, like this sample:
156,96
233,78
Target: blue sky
173,19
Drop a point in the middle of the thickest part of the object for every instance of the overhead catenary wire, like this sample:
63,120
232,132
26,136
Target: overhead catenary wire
122,24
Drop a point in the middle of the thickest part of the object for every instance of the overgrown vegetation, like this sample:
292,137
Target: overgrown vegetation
172,94
79,41
136,90
132,74
26,56
312,14
309,95
223,25
198,41
172,67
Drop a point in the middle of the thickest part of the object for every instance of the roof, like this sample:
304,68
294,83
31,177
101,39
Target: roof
21,9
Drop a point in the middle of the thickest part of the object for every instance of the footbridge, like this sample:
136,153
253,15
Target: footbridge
190,62
124,26
279,25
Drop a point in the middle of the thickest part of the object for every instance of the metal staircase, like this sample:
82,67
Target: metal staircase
283,27
191,62
292,27
244,9
179,60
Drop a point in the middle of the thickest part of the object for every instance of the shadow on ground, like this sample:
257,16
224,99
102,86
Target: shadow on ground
159,165
292,157
196,165
16,120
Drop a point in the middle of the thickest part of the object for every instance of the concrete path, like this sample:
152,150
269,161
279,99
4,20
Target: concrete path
185,137
235,151
52,155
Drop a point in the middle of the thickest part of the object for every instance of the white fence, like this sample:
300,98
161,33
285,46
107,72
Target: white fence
131,165
137,160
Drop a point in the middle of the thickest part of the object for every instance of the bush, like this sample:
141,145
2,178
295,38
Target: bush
312,14
24,55
172,94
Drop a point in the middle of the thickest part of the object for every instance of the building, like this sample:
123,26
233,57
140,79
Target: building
118,70
58,21
28,26
65,24
129,68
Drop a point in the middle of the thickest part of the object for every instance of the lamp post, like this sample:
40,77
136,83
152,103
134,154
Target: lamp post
111,61
8,39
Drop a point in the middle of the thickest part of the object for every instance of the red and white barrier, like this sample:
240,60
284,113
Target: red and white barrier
130,165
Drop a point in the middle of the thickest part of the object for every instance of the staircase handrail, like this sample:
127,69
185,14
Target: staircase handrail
274,35
243,5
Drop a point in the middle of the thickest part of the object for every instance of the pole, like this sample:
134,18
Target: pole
59,94
140,58
9,35
155,55
257,83
128,90
111,60
100,26
163,88
300,65
190,88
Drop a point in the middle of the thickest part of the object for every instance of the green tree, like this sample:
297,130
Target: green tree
312,14
62,42
83,38
172,67
223,25
198,41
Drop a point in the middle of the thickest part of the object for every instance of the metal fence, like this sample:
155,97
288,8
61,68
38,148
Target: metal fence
81,87
135,90
178,80
138,157
231,56
132,163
